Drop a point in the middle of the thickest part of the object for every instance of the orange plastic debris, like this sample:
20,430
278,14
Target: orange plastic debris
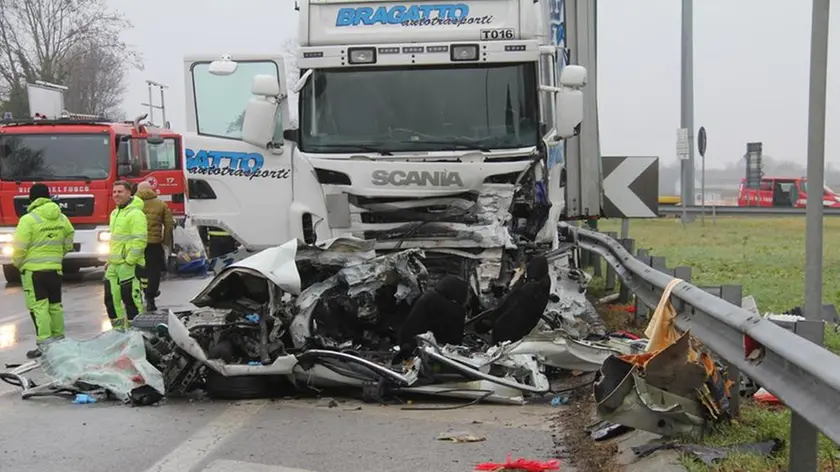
519,465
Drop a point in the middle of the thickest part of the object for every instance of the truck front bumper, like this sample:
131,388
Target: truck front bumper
90,246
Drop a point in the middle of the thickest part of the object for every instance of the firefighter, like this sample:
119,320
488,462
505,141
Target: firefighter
161,225
42,238
123,298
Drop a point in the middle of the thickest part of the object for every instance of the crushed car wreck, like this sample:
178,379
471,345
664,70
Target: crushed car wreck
336,315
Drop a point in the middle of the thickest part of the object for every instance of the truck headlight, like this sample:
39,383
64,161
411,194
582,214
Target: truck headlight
8,251
361,55
464,52
103,236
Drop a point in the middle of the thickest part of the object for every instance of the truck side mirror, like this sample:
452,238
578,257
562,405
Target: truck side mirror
291,135
260,118
569,101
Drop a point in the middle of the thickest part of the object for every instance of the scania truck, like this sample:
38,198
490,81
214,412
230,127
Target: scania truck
466,129
79,159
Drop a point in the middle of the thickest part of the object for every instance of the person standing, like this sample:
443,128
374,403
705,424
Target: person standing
161,224
42,238
123,299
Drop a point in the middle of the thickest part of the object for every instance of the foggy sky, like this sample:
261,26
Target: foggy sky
751,67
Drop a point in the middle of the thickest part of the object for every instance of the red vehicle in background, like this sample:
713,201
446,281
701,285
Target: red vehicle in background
79,160
783,192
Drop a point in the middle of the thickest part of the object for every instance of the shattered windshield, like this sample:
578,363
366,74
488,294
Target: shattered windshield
487,106
55,157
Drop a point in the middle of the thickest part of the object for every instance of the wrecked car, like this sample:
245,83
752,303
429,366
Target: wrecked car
336,315
299,318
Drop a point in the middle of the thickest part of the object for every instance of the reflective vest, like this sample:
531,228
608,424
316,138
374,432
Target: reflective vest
42,237
128,234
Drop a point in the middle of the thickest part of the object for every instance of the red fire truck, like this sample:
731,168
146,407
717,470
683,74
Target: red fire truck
783,192
79,159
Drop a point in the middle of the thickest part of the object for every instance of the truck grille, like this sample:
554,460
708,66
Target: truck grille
71,206
471,219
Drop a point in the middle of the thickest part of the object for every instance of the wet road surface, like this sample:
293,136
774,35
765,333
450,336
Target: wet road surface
53,434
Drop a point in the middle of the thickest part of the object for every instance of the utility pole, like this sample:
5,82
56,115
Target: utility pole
803,435
687,104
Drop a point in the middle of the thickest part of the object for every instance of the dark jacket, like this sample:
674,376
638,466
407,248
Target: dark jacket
159,218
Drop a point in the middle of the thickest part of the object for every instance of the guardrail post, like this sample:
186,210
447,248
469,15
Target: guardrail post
683,273
734,295
609,280
641,309
623,292
595,260
803,437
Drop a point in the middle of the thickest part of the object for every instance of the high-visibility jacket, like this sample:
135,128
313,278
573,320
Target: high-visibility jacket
42,237
128,234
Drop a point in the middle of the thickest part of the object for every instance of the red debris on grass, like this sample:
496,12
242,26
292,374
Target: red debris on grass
629,308
524,465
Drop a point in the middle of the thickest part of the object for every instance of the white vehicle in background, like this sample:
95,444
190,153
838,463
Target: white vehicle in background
459,128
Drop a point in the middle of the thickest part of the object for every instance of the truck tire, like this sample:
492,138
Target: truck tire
11,274
240,387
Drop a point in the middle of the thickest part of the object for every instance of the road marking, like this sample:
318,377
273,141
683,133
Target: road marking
192,451
240,466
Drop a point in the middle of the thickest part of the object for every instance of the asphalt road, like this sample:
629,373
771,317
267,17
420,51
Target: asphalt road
53,434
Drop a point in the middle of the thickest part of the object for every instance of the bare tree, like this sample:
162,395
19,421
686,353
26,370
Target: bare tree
55,40
96,81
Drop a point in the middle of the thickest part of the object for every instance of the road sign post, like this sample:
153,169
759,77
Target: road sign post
683,154
701,148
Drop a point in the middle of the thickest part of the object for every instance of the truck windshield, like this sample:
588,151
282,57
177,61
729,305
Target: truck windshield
826,189
55,157
487,106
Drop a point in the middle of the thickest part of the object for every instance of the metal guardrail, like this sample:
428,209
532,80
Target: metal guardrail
741,211
803,375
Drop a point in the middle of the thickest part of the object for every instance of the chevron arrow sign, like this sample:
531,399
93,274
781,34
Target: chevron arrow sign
631,186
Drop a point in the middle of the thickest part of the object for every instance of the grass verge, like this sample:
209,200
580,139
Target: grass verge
766,256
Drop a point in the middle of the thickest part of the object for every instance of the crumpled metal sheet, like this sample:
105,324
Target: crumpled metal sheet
710,455
568,307
623,396
402,269
113,360
556,349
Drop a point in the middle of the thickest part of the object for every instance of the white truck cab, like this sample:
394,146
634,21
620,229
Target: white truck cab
460,128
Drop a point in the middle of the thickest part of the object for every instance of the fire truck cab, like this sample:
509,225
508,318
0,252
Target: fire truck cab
79,160
782,192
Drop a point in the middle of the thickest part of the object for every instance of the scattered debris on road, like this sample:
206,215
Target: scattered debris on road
710,455
460,437
519,465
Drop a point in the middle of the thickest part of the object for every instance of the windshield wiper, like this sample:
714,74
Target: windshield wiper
361,147
457,144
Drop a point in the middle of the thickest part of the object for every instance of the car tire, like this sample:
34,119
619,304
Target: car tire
241,387
11,274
